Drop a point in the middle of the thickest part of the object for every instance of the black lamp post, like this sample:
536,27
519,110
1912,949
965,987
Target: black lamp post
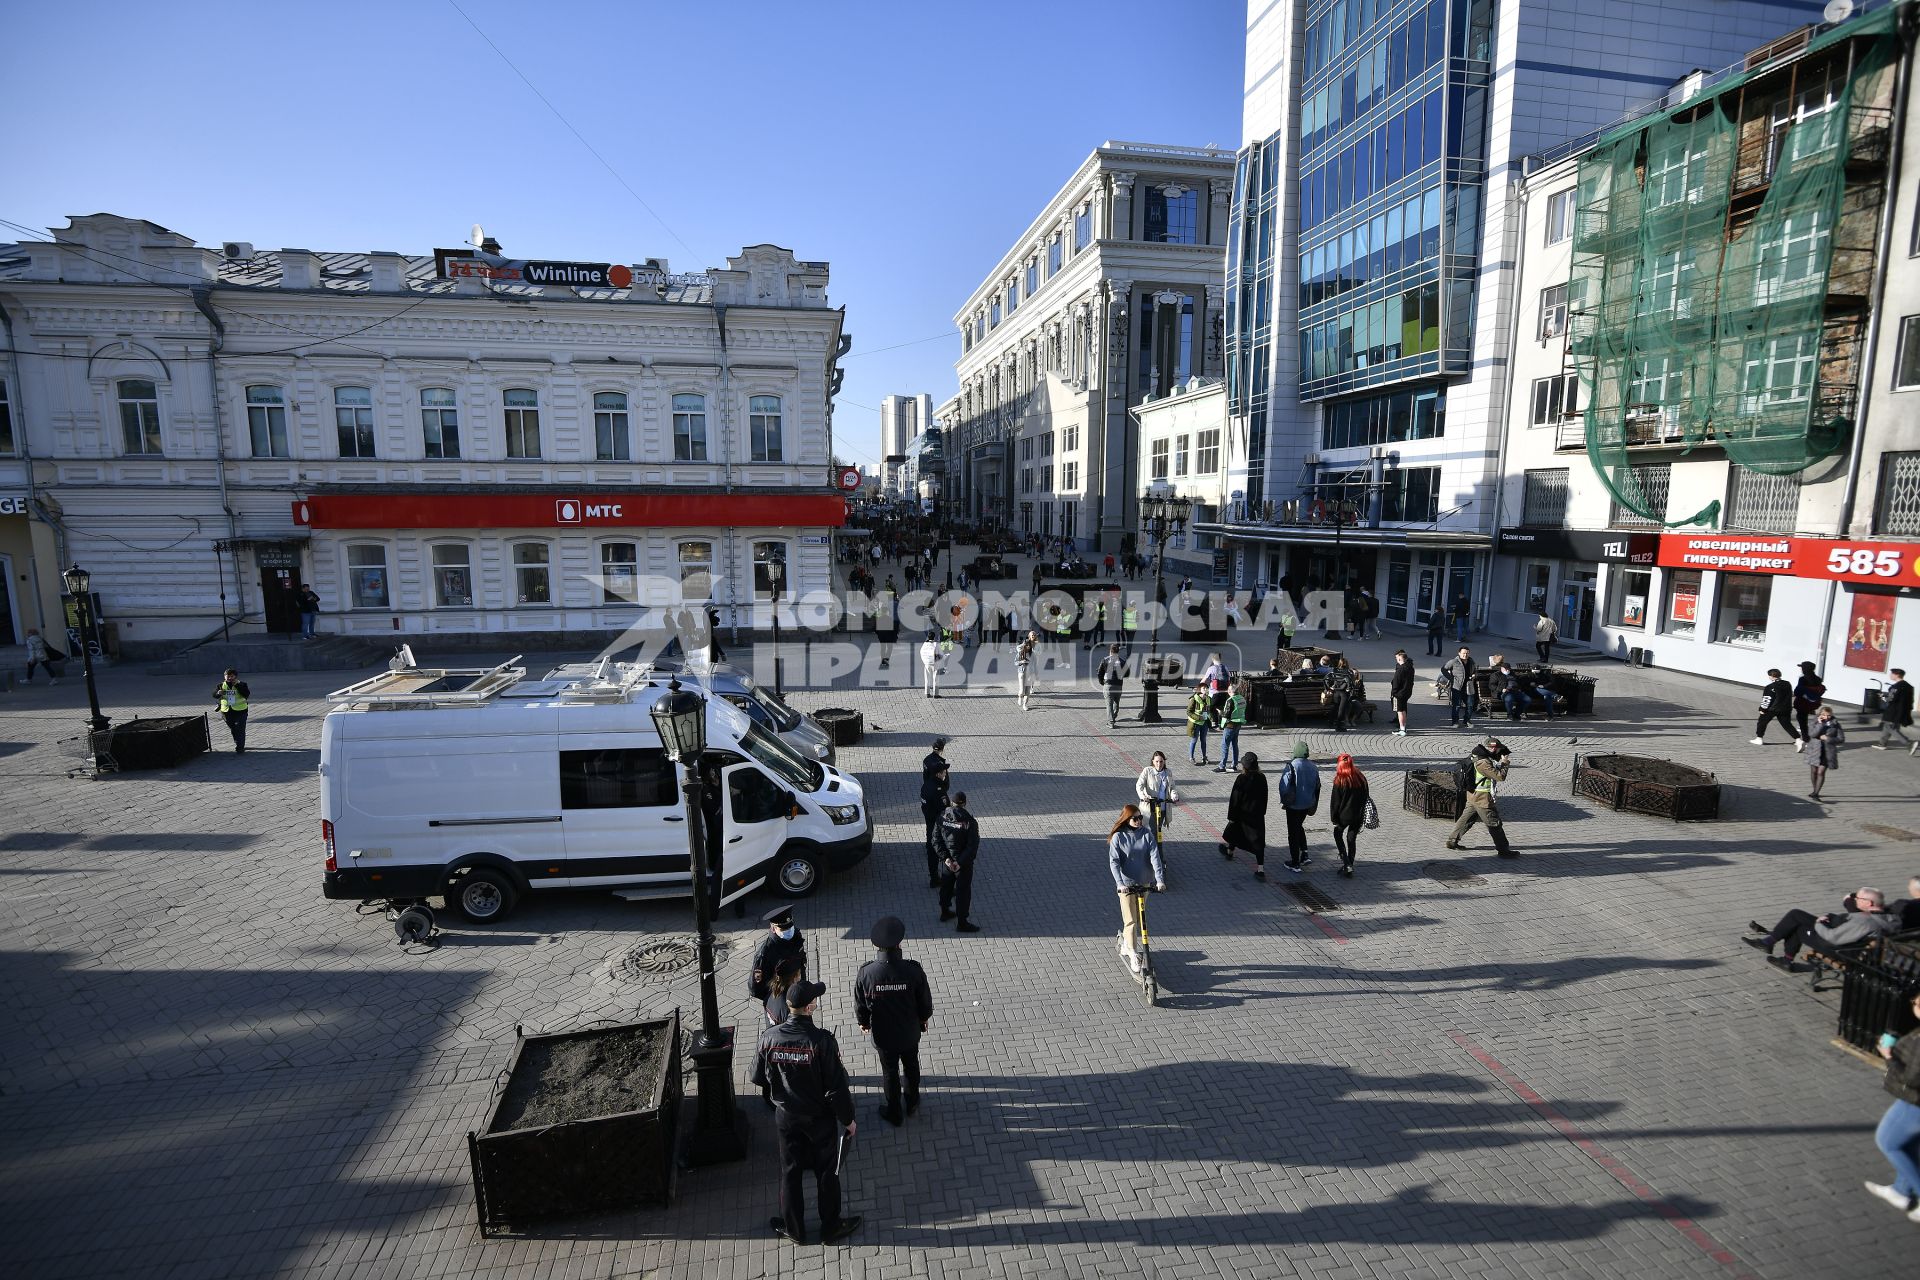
719,1131
1161,516
78,581
776,572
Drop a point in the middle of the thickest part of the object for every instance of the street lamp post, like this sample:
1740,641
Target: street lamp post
719,1131
1161,517
776,572
78,582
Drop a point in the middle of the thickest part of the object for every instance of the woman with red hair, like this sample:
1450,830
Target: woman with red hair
1349,807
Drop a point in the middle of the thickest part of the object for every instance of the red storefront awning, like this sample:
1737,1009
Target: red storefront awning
579,510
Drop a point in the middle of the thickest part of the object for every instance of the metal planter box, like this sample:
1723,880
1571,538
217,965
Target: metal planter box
586,1122
1686,794
159,743
844,727
1432,793
1873,992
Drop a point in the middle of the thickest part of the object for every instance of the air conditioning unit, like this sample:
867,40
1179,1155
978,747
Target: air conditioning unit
236,250
1311,460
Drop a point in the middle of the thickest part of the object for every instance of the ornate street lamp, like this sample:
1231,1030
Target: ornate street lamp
776,572
719,1131
78,582
1162,516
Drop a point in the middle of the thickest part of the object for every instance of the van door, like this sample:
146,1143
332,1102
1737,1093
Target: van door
625,823
756,827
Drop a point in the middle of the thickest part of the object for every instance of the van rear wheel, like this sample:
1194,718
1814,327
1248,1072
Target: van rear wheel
797,874
482,896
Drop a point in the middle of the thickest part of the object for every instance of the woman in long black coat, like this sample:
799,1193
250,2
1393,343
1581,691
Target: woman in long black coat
1247,816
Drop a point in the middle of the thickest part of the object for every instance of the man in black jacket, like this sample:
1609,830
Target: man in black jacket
894,1004
1776,703
957,840
1897,713
1400,692
799,1065
1111,676
933,803
783,939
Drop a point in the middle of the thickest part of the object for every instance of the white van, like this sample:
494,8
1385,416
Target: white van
479,785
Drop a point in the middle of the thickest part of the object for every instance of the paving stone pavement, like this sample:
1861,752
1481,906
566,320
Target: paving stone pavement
1572,1068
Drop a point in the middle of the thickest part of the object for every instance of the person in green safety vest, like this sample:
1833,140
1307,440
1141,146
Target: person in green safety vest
1233,717
231,697
1129,623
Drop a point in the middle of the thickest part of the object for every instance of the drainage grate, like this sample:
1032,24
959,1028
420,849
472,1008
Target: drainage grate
1311,898
662,958
1451,873
1891,833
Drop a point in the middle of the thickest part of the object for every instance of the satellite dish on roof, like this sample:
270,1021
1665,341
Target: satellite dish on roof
479,236
1837,11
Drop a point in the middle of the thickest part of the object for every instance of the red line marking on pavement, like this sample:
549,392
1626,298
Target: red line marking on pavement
1620,1173
1214,831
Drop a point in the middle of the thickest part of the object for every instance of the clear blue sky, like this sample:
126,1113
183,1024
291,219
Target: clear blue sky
905,142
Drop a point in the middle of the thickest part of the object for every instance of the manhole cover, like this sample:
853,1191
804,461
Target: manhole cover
1891,833
662,958
1451,873
1311,898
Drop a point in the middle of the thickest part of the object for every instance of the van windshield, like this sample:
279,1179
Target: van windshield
784,717
783,760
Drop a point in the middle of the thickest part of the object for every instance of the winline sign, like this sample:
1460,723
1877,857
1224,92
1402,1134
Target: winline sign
455,264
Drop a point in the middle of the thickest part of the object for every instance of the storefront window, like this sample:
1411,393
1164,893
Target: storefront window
619,573
696,571
1627,601
1683,602
367,576
452,576
1535,579
1742,618
532,583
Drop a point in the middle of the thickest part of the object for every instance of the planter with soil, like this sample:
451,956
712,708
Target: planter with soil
1432,792
844,728
585,1123
159,743
1644,784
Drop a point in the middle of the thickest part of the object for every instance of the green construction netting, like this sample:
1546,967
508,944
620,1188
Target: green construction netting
1721,266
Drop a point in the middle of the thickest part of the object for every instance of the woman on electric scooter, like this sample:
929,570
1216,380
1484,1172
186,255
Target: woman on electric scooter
1133,855
1155,790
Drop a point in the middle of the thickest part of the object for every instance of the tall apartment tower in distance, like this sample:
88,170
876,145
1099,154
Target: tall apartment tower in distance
1372,252
903,419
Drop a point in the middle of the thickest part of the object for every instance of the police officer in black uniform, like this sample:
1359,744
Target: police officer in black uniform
800,1064
933,803
957,841
783,939
894,1004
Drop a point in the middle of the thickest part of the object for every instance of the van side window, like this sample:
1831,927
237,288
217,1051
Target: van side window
756,797
616,778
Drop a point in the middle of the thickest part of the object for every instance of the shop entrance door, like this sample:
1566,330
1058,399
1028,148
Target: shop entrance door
1576,610
280,600
8,635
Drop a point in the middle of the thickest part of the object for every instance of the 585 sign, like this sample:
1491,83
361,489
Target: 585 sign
1823,559
1866,562
1892,564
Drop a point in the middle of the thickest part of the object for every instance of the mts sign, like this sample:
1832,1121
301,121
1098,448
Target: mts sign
579,511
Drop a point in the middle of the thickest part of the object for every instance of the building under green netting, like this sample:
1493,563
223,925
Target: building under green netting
1723,256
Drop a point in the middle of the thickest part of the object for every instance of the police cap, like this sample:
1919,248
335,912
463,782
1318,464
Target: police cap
888,932
779,915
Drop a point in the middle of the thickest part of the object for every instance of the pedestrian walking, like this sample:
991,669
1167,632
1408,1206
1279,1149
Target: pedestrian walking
1776,699
309,601
1898,1135
1808,691
799,1065
1155,790
957,840
933,663
42,654
893,1003
1233,718
1289,624
1458,677
1133,856
1896,711
1246,829
1461,615
1400,690
1299,788
1350,807
1023,661
232,697
1111,677
1369,615
886,620
783,941
1436,633
1828,738
1199,719
1216,677
1545,632
1489,764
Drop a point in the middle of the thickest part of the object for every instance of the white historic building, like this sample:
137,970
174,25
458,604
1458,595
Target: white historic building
1182,456
206,429
1112,293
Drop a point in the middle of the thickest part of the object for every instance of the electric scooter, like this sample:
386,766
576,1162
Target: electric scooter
1149,985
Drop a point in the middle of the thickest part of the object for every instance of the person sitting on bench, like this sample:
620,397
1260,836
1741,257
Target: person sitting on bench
1863,917
1517,694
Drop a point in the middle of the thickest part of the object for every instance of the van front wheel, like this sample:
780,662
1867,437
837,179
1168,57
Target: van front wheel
482,896
798,874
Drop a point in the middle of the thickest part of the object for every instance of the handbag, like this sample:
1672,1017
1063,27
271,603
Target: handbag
1372,821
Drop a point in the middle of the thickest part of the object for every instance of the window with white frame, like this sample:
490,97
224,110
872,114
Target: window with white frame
1805,125
696,571
1158,466
1555,398
1655,382
8,446
689,428
993,314
1013,296
267,422
452,575
532,575
1791,264
139,415
763,429
1675,172
1070,476
1906,360
1033,276
1553,312
1560,207
1663,290
769,563
1180,455
521,408
1070,439
1761,503
353,421
1779,370
619,573
1046,477
610,427
1053,256
367,575
439,423
1206,452
1082,227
